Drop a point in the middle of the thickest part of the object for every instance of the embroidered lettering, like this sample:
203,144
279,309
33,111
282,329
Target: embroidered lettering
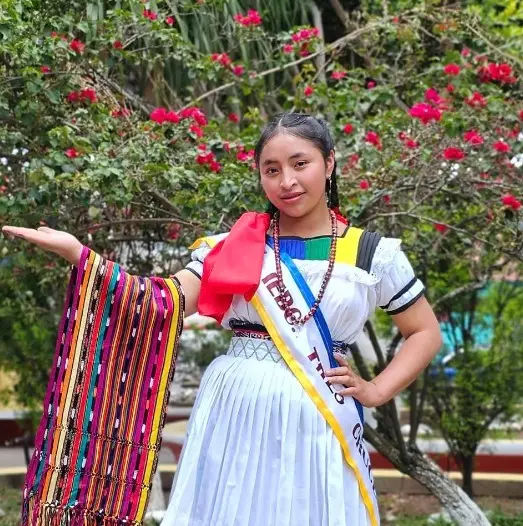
357,433
337,396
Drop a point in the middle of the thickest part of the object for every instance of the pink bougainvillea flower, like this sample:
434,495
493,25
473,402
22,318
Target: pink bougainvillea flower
151,15
450,88
215,166
432,95
338,75
304,50
88,94
476,100
348,128
364,185
204,158
452,69
305,34
77,46
252,18
425,112
72,153
373,138
172,116
222,58
288,48
501,147
159,115
238,70
386,199
45,69
234,117
511,201
169,20
473,137
465,52
370,84
194,128
411,144
117,44
441,228
120,112
453,154
501,73
308,91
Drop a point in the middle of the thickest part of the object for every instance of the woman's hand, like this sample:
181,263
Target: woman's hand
365,392
57,241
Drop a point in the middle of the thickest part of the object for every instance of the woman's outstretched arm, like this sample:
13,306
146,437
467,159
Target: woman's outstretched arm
70,248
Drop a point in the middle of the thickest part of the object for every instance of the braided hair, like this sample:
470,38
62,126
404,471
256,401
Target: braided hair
306,127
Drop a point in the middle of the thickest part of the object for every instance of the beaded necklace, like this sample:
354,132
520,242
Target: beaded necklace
281,286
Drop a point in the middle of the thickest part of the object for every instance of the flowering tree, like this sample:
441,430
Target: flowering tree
126,130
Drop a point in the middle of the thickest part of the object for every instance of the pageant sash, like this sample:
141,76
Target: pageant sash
308,351
96,448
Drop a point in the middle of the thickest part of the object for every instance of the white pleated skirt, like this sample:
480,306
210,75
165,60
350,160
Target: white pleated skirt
258,452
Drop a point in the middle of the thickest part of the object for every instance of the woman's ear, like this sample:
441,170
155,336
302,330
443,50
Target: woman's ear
329,163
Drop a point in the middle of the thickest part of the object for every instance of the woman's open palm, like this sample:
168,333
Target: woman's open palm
57,241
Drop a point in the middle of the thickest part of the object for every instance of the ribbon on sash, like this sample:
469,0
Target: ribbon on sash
307,351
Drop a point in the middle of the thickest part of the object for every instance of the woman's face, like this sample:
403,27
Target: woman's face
293,174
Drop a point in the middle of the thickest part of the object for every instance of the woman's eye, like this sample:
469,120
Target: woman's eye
271,171
301,164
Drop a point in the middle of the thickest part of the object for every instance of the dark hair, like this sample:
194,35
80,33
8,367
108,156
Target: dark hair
309,128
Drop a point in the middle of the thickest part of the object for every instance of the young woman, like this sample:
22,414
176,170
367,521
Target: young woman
275,435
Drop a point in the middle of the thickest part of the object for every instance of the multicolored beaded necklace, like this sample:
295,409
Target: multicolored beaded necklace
281,286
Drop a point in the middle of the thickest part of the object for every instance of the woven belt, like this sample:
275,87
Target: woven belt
257,348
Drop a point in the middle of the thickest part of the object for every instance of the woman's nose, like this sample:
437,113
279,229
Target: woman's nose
288,179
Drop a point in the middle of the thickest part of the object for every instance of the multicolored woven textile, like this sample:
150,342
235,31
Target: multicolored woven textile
96,448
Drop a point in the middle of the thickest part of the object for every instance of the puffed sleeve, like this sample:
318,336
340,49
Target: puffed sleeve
398,288
197,258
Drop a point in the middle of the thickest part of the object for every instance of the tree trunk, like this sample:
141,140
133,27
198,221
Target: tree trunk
467,468
415,464
459,505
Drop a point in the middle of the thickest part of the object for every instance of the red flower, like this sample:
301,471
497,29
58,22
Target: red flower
288,48
151,15
173,231
199,117
348,128
252,18
215,166
238,70
72,153
117,44
88,94
159,115
371,84
308,91
338,75
73,96
204,158
476,100
453,154
54,34
501,73
196,130
169,20
222,58
501,147
452,69
373,138
511,201
364,185
473,137
244,156
411,144
305,34
45,69
441,228
304,50
77,46
465,52
425,112
521,115
432,95
386,199
234,117
172,116
450,88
